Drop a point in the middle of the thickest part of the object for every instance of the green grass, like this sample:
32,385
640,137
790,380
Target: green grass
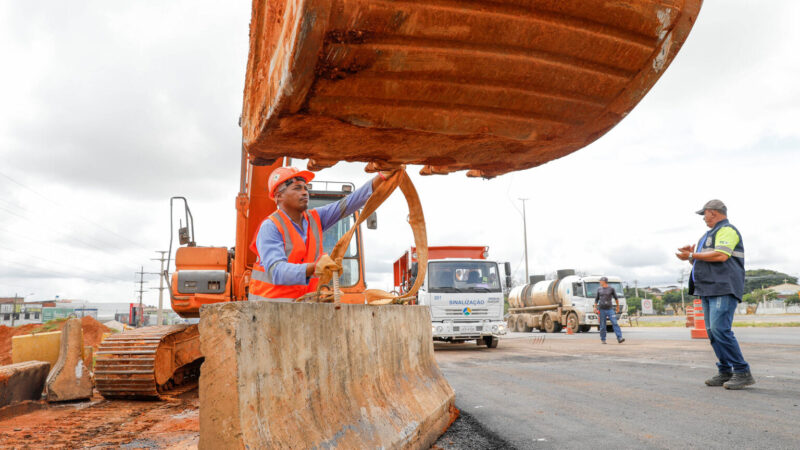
672,323
766,324
50,326
740,324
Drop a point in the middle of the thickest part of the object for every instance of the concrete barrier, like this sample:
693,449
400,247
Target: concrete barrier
290,375
22,381
70,379
36,347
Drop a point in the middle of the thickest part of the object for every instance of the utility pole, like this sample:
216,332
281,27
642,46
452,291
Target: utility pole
140,291
13,309
160,286
636,287
683,274
525,238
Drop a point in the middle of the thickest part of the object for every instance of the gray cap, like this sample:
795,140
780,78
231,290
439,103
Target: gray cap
604,279
715,205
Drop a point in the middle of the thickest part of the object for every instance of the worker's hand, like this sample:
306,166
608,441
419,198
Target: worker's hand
326,263
617,309
683,254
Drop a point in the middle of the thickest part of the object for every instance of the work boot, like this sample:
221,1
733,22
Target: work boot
739,381
719,379
621,340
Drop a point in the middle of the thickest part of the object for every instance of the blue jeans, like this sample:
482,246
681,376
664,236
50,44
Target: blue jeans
718,313
603,313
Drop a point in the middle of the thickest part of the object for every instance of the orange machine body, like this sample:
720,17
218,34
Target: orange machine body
228,273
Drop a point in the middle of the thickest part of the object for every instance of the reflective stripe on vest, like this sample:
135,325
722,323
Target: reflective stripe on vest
262,285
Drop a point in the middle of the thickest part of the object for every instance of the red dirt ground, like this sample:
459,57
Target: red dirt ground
92,334
100,423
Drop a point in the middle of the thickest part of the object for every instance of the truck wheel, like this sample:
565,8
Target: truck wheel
524,325
511,322
549,325
610,328
585,328
559,327
490,341
572,322
515,323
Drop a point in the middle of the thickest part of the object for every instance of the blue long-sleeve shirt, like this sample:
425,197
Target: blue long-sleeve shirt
269,241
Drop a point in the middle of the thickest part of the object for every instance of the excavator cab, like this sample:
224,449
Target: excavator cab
205,275
351,281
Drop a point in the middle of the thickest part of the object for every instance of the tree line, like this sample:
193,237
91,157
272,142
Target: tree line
756,283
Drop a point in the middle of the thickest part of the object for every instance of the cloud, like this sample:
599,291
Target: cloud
112,108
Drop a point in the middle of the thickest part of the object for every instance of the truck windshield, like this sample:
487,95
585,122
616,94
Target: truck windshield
331,236
591,289
463,276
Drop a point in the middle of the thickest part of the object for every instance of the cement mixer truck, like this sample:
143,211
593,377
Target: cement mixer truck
566,301
463,289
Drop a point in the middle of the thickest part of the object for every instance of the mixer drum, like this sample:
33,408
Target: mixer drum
489,87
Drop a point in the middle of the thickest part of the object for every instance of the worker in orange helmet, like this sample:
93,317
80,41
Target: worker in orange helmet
289,241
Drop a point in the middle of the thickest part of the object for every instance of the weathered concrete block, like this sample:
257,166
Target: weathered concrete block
36,347
283,375
22,381
70,379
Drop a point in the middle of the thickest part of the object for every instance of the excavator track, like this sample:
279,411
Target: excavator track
149,363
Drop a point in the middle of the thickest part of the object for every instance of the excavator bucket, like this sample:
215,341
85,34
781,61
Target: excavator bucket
316,375
489,87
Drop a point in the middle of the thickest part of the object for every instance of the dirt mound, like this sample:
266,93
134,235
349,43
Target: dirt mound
93,331
92,334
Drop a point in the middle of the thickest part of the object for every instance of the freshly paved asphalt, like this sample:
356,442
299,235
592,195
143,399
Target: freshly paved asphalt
569,391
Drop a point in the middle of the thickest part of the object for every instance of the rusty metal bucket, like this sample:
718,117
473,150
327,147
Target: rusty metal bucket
489,87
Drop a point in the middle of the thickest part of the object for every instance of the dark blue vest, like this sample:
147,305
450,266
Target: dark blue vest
718,278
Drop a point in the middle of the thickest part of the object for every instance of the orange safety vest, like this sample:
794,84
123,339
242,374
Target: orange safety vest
298,252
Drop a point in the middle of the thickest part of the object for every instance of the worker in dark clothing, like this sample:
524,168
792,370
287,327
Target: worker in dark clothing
602,307
718,279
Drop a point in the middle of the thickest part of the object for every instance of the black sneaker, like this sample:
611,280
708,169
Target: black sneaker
621,340
719,379
739,381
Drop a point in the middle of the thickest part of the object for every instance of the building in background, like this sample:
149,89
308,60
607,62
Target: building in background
786,290
15,311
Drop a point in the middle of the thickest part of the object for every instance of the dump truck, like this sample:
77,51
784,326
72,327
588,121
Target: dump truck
463,290
566,301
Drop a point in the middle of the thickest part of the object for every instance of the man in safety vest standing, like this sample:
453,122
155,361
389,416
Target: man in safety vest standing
289,241
718,279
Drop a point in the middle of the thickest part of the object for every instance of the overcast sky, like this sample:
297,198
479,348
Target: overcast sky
109,108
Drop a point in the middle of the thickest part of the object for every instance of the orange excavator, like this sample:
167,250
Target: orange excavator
486,87
164,360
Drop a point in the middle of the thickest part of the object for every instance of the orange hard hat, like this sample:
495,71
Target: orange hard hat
281,174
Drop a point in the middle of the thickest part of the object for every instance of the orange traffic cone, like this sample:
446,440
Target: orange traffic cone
569,330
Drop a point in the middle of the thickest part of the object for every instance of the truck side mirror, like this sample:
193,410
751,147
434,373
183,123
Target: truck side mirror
372,221
507,266
414,269
183,235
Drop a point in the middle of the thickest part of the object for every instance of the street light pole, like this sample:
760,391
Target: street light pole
525,238
683,274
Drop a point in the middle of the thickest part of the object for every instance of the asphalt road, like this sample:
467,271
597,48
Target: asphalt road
572,392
